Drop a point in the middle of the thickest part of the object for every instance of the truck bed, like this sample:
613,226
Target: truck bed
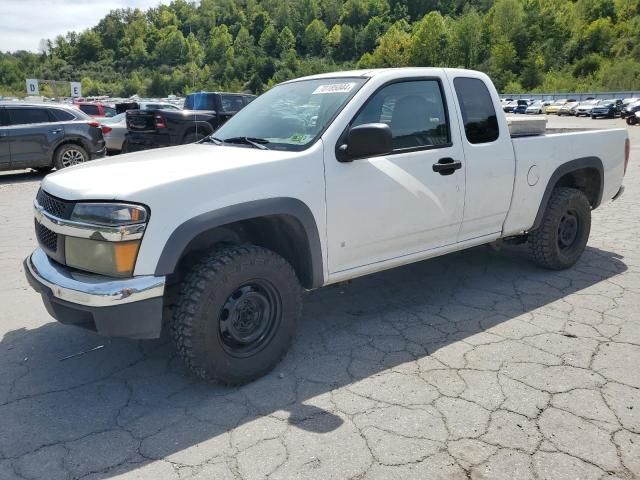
539,156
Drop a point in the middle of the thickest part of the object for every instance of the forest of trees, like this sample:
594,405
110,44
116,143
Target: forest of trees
249,45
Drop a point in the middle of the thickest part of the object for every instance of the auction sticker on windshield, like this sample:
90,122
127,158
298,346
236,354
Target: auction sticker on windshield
334,88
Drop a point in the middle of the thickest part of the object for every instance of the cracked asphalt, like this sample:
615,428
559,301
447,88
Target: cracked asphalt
474,365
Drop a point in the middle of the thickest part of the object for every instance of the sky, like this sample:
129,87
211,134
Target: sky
24,22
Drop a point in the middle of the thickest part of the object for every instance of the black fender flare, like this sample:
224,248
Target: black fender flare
182,236
571,166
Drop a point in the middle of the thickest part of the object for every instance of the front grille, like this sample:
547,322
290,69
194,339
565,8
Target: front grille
54,206
46,237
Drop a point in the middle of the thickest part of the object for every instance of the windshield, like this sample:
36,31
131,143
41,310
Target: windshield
292,115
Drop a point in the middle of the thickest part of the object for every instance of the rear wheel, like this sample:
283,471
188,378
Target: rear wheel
69,155
236,314
632,120
562,237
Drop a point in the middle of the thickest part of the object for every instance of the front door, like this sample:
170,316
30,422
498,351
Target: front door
388,206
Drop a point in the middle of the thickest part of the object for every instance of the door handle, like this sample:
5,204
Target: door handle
446,166
55,131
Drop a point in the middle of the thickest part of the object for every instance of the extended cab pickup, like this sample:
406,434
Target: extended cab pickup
319,180
203,113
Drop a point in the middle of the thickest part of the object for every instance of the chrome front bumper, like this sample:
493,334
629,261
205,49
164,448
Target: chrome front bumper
89,289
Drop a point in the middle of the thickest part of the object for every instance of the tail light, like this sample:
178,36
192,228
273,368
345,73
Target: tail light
159,121
106,129
627,151
94,124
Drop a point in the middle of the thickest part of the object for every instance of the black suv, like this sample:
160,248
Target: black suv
43,136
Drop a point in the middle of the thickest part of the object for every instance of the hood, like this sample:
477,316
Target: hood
122,176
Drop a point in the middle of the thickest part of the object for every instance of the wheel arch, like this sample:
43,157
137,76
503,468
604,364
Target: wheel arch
283,224
585,174
199,126
67,141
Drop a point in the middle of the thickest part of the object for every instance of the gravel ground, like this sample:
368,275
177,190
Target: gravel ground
475,365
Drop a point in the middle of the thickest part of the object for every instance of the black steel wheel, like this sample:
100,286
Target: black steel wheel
562,237
249,317
236,314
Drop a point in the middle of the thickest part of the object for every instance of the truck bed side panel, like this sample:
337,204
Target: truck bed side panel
537,158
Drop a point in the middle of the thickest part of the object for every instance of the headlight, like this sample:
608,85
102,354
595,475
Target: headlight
111,214
114,259
109,250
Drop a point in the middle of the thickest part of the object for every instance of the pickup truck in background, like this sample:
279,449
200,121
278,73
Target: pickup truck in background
203,113
320,180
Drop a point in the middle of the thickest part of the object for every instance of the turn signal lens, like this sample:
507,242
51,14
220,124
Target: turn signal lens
125,256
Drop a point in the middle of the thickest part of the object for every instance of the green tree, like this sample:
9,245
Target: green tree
314,36
430,42
392,51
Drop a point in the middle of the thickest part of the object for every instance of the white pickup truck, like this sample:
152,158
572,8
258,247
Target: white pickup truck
319,180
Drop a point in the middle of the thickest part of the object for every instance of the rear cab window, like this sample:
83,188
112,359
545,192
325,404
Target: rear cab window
231,103
200,101
478,113
27,116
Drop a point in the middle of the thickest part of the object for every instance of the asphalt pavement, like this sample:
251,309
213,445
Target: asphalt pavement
474,365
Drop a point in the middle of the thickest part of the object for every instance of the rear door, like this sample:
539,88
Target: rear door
490,161
5,141
33,136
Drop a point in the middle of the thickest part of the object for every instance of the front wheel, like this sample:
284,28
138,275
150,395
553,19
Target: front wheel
562,237
632,120
237,313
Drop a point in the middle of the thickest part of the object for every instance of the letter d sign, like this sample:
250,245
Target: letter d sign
32,86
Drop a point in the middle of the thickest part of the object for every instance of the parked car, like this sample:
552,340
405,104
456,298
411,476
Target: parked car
42,136
555,106
510,106
568,108
228,232
522,106
115,128
204,112
632,118
537,107
606,108
630,109
584,108
96,110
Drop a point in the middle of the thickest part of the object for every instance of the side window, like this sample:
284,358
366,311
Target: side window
413,110
90,109
61,115
110,112
231,103
478,114
4,119
25,116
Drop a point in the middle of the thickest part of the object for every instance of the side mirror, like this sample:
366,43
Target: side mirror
367,140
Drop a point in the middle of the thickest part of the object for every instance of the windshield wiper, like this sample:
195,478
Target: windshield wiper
211,139
254,142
